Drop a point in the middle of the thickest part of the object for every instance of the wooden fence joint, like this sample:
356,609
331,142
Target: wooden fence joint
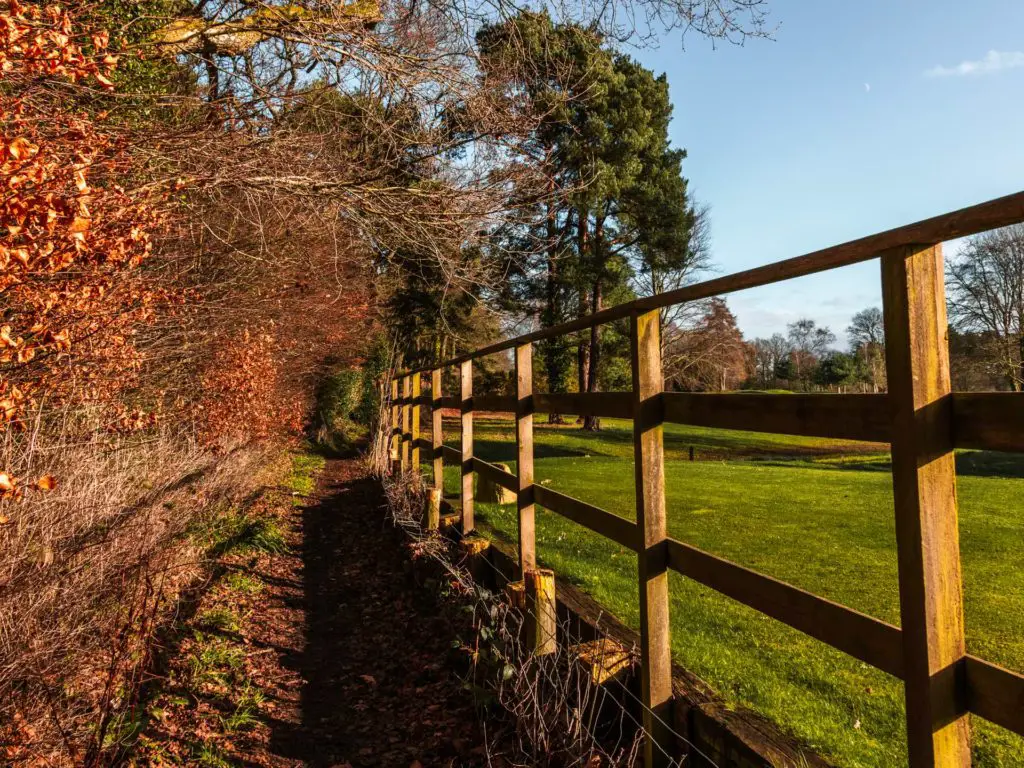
466,409
924,492
436,429
524,459
649,467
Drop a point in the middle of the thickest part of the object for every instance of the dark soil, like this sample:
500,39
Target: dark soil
366,651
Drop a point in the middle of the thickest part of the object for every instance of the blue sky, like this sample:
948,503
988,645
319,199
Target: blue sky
857,117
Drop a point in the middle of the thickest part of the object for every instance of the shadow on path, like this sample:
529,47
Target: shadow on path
375,686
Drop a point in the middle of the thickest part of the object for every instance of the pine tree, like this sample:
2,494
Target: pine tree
615,203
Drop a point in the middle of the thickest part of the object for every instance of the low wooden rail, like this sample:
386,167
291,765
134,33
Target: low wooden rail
921,418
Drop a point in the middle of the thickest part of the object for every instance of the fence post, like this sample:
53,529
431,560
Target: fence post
406,390
541,620
432,511
524,458
395,439
436,436
414,432
466,406
924,490
649,467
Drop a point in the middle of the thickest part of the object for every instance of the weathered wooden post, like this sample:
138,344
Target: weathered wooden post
406,412
466,407
649,467
432,512
396,422
524,458
924,490
414,431
476,553
436,435
541,619
515,591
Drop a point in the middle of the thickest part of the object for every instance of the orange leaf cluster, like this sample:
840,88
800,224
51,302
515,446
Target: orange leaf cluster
241,389
70,236
39,41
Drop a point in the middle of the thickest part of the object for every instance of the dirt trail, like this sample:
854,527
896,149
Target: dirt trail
358,673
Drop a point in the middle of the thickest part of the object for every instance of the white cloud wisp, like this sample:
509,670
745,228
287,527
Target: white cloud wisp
994,61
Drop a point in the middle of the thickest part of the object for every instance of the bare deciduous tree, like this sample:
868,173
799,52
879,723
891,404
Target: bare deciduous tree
985,291
768,353
866,333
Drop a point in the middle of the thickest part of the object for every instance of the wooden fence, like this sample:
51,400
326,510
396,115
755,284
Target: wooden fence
922,419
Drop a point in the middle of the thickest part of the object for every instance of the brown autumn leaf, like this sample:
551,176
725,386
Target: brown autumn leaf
21,148
45,483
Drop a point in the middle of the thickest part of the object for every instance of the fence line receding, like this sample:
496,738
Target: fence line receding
920,416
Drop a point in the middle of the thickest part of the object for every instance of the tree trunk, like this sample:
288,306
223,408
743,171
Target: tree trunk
593,423
554,360
1020,362
583,349
213,81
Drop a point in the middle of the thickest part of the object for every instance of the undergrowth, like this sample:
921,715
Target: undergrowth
209,699
542,710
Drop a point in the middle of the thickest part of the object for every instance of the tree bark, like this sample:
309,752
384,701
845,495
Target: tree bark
1019,383
583,348
593,423
554,362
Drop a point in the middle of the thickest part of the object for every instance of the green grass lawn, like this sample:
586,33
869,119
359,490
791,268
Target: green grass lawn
815,513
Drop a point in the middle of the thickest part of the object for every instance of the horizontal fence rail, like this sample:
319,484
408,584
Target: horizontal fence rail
991,421
611,526
863,637
919,417
495,474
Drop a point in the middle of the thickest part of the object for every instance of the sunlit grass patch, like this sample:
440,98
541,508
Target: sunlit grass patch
817,514
219,618
302,478
214,661
247,706
243,583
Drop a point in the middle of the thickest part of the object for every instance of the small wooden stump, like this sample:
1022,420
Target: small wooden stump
604,660
474,545
475,549
432,511
515,592
448,520
541,613
490,492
